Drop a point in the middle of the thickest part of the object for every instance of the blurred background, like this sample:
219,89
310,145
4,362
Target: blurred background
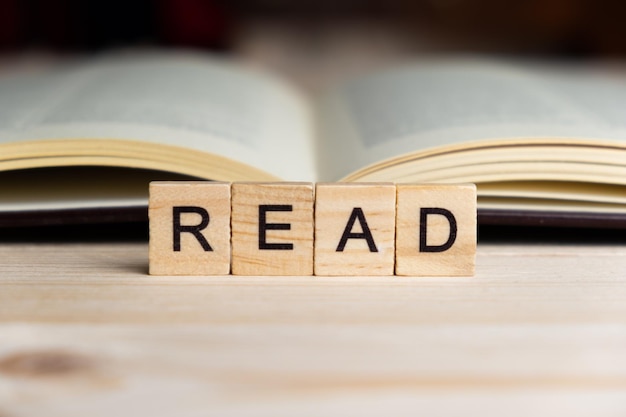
315,42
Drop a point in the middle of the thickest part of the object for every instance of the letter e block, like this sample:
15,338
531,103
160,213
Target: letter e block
189,228
436,230
354,228
272,228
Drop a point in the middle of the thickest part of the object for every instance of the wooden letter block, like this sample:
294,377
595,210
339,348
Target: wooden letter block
436,230
354,228
272,228
189,228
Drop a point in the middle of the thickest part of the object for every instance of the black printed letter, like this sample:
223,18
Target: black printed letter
424,246
357,213
264,226
194,230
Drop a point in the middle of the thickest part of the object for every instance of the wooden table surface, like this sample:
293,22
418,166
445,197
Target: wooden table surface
540,330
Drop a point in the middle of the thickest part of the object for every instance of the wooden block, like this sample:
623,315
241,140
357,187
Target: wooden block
354,228
189,228
436,230
272,228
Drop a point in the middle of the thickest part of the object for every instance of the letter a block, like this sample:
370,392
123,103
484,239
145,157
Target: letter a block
272,228
436,230
354,229
189,228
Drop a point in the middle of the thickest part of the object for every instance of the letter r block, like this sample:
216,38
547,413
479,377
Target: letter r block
272,228
354,228
435,230
189,228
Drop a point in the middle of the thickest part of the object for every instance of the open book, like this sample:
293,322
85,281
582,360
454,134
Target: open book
80,142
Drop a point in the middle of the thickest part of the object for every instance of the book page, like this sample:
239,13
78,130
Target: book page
178,99
373,118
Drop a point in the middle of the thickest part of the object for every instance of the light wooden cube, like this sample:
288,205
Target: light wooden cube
354,228
272,228
436,230
189,228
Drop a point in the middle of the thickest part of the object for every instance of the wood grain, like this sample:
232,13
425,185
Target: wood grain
435,229
540,330
201,250
278,216
355,228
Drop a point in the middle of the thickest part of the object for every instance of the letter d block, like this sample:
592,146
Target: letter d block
272,228
436,230
189,228
354,228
